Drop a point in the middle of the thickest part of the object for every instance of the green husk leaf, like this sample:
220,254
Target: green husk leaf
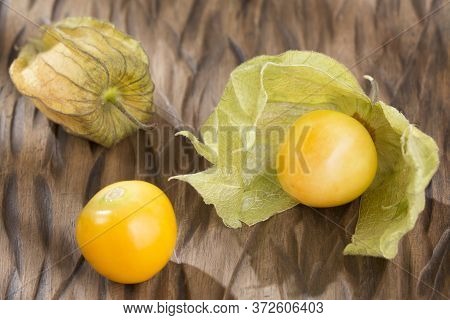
408,159
266,95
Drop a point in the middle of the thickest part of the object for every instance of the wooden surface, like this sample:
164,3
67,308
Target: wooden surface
47,175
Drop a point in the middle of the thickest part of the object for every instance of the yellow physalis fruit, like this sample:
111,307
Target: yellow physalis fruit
89,77
127,231
327,159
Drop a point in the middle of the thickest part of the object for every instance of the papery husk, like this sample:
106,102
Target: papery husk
87,76
261,101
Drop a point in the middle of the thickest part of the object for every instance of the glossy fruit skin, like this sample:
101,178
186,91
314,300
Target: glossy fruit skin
127,231
327,159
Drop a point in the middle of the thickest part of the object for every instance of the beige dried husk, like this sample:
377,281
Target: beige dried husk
89,77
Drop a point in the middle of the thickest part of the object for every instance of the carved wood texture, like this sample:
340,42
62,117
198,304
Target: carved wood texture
47,175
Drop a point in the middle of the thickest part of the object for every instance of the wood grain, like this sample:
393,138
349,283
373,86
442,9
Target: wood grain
47,175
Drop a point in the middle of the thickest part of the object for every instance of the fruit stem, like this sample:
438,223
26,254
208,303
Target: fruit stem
110,95
130,117
373,94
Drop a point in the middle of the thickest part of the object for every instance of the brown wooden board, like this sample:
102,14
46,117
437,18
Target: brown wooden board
47,175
